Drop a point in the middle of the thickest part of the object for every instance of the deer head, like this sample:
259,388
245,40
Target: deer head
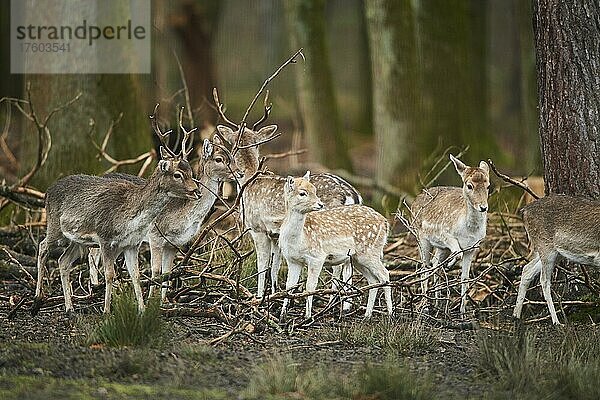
175,174
217,163
301,195
476,182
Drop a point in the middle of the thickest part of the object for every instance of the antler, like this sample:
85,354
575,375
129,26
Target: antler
162,136
219,105
267,107
185,152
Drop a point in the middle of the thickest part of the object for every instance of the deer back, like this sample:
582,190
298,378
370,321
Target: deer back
567,224
341,230
92,209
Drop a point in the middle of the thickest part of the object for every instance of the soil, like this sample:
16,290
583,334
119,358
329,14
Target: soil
52,344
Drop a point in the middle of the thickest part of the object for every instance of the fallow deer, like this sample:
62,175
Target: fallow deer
313,236
263,207
452,221
559,226
114,214
181,219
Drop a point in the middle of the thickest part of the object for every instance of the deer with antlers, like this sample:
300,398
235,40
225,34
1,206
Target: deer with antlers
263,208
181,219
114,214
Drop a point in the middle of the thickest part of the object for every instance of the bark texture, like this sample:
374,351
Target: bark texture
391,28
567,45
324,136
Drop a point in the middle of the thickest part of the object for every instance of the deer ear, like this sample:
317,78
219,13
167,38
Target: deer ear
227,133
307,176
459,165
164,165
217,140
207,149
289,183
265,132
484,166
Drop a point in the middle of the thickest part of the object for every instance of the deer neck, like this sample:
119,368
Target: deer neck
209,188
147,199
473,217
250,161
292,228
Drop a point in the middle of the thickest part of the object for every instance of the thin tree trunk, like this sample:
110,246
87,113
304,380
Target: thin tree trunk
395,85
567,44
452,44
327,142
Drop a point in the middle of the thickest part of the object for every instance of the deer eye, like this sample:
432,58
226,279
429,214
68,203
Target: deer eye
469,186
178,175
218,160
302,193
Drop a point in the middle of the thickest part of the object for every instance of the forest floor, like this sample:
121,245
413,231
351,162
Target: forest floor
51,356
48,356
42,356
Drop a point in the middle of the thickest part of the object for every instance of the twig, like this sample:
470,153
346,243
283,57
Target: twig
512,181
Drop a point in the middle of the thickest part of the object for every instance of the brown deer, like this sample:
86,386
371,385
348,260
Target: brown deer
263,208
313,236
559,226
452,221
181,220
114,214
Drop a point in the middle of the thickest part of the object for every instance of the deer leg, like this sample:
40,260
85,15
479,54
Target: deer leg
343,271
312,279
70,255
547,261
530,271
94,263
275,264
425,251
293,276
41,267
108,260
371,279
263,250
131,261
439,257
168,256
464,277
156,256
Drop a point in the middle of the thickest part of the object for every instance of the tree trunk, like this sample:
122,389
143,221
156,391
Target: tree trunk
195,25
103,98
395,89
324,136
567,37
452,39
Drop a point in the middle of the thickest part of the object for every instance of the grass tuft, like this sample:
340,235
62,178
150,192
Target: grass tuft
398,337
281,378
391,381
125,326
524,366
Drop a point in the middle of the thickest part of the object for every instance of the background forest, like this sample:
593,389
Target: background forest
387,87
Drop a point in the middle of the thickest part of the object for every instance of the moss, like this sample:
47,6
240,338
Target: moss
30,387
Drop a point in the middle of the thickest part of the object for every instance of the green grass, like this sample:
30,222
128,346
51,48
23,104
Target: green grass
398,337
125,326
391,381
43,387
281,378
524,366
